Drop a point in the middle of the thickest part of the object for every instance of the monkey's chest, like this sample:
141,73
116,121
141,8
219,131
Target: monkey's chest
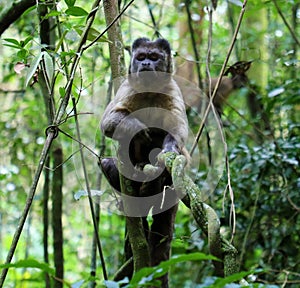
151,108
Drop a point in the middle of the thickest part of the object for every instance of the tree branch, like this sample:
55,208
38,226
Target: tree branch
13,13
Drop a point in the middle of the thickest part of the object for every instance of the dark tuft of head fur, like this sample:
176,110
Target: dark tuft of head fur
164,44
138,42
160,43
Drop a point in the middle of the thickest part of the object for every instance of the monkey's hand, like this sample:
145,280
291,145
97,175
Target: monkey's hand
120,127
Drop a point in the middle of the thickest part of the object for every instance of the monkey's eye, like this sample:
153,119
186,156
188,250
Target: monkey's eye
153,56
141,57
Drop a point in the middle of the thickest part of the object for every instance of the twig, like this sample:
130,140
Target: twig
194,44
210,106
89,194
156,31
109,26
232,208
200,130
286,23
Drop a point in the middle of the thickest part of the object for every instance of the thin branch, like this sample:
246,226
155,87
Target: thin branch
286,23
109,26
194,44
200,130
156,31
90,195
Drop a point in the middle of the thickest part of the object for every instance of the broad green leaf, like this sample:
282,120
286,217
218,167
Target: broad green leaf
76,11
34,65
30,263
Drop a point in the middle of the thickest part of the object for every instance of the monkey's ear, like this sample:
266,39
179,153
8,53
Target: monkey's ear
164,44
138,42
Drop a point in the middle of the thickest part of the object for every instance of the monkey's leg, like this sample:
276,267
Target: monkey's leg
160,238
110,170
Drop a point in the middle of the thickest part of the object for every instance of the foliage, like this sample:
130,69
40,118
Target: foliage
264,161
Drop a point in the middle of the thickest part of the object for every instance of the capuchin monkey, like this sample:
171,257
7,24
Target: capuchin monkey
228,84
147,117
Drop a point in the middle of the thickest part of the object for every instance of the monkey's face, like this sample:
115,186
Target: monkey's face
151,64
148,59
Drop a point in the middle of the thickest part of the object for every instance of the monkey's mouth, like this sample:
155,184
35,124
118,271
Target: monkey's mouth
147,69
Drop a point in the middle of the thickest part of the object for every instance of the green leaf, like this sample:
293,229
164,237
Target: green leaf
30,263
35,63
62,91
22,54
221,282
76,11
52,14
70,3
13,41
163,267
48,66
27,40
92,34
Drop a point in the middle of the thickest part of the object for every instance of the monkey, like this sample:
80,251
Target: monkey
234,78
228,84
147,117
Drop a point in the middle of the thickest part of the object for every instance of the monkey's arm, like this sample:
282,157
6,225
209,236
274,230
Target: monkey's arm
117,123
176,121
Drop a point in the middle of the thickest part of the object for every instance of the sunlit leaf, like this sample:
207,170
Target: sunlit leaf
276,92
77,284
49,66
236,2
35,63
30,263
83,193
111,284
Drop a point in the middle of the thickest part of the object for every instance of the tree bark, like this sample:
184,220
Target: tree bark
116,47
57,215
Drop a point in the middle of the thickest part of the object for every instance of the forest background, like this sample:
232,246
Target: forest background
261,128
